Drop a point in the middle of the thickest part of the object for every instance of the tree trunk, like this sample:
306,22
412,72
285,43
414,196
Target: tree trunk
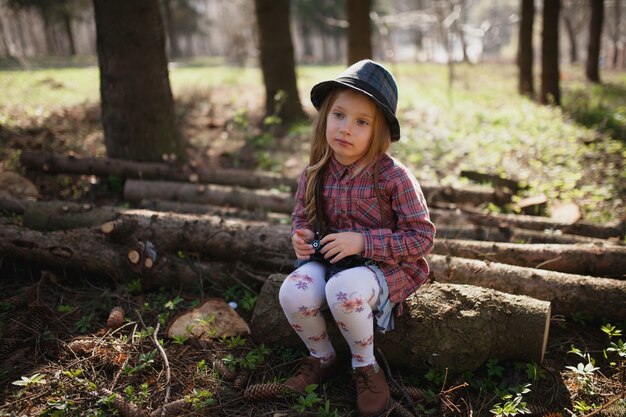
571,35
135,191
550,87
438,329
67,25
103,167
583,259
595,39
617,11
568,293
525,52
172,39
85,251
359,30
136,99
277,61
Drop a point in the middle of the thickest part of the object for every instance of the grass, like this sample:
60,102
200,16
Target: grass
477,122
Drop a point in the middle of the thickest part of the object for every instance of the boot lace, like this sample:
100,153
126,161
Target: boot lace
364,380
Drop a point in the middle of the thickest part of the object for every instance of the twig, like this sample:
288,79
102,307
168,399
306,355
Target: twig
395,383
448,391
558,258
168,374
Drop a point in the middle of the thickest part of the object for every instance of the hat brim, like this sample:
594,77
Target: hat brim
321,90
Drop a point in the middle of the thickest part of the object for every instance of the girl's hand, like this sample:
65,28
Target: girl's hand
337,246
301,241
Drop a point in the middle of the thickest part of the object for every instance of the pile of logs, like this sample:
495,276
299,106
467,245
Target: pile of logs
484,280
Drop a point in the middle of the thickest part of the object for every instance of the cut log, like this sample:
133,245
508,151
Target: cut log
568,293
84,251
514,235
469,195
582,259
468,216
493,179
458,327
135,191
53,164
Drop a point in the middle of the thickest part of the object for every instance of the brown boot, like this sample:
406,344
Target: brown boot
310,371
373,398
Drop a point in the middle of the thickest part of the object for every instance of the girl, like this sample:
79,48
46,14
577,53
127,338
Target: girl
360,230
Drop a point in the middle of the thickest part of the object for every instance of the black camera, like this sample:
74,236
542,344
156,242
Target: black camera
317,246
347,262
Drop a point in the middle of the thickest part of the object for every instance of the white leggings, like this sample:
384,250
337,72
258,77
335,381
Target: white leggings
351,295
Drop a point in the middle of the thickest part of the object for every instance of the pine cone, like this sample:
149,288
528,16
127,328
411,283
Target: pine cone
262,392
241,379
414,393
537,410
116,318
223,370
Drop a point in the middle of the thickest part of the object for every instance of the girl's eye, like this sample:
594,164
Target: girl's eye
337,114
362,122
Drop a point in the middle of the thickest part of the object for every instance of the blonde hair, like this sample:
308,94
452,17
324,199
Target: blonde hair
321,152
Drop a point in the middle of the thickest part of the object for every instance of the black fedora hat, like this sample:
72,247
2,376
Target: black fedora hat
371,79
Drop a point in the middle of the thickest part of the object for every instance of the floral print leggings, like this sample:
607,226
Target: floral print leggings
351,295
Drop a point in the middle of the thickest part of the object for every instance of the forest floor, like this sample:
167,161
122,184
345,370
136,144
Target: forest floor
59,358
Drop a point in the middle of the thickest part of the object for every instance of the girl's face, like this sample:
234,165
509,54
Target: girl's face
349,126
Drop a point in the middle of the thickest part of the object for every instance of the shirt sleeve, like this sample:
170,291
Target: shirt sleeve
415,233
298,217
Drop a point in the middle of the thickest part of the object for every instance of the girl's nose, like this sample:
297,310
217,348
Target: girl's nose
344,130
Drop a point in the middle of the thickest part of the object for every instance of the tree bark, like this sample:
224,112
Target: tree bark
135,191
438,329
538,223
582,259
550,84
136,98
592,70
103,167
277,61
525,52
172,38
509,234
568,293
571,35
359,30
85,251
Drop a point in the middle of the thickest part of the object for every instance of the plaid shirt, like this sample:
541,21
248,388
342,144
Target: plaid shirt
350,204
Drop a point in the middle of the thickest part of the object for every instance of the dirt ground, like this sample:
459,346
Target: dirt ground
58,357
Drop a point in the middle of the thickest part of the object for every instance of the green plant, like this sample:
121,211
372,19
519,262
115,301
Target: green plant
201,366
244,297
308,400
326,412
512,405
235,341
252,359
134,286
179,340
582,407
84,323
200,398
63,309
27,381
145,360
